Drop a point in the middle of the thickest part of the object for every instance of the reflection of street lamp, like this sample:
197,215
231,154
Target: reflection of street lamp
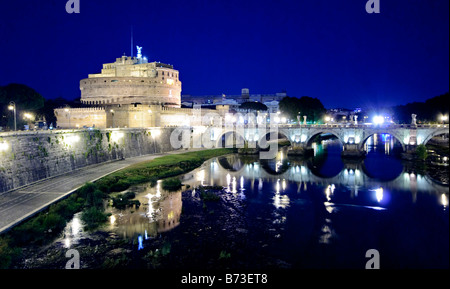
12,106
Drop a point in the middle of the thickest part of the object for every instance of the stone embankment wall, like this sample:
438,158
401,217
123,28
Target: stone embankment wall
26,157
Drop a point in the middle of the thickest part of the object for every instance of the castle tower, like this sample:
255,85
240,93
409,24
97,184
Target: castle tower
132,80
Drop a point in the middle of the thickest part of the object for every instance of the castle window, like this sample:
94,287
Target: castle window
163,73
114,80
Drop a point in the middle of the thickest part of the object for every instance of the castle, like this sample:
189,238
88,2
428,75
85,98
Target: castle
130,92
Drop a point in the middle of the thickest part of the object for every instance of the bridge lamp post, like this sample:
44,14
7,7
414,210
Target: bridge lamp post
444,118
378,120
12,107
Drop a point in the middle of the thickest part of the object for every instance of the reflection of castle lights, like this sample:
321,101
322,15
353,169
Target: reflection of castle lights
379,194
228,182
201,176
329,191
444,201
140,246
280,201
73,231
242,183
233,183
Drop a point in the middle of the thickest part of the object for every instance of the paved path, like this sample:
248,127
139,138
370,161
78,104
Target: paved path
19,204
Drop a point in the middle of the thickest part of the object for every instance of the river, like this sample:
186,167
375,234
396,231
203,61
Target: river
289,212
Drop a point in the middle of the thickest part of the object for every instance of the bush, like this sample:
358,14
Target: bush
209,197
53,222
421,152
7,253
171,184
93,217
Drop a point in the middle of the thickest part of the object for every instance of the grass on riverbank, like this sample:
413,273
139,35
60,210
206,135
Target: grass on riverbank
47,225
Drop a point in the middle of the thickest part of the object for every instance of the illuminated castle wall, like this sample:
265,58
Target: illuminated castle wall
132,80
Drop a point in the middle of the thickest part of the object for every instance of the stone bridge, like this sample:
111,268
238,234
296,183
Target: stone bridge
352,136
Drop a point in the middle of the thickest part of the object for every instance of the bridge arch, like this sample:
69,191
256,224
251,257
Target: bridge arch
221,141
435,133
308,141
397,137
231,163
279,132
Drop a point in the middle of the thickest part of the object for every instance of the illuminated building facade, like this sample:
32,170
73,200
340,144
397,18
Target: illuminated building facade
131,80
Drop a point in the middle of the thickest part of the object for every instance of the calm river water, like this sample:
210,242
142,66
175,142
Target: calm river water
288,212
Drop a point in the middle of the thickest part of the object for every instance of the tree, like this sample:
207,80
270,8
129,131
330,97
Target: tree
25,98
311,107
429,110
253,105
421,152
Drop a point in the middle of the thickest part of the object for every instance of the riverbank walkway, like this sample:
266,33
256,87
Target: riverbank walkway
22,203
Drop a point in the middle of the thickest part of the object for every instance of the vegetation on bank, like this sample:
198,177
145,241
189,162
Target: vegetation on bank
89,199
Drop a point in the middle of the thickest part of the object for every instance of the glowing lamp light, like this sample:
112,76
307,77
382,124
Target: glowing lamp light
71,139
155,133
378,119
112,219
116,136
379,194
3,146
444,200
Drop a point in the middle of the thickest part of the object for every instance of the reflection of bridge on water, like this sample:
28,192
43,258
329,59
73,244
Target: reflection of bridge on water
354,175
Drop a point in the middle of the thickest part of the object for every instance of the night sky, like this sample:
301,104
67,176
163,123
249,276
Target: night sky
330,49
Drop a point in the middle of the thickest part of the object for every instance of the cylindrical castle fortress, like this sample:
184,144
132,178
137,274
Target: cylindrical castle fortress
132,80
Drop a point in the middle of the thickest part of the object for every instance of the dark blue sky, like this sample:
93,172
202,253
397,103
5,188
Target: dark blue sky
329,49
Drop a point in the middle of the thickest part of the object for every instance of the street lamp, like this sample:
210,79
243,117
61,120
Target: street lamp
12,106
28,117
444,118
67,109
112,113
